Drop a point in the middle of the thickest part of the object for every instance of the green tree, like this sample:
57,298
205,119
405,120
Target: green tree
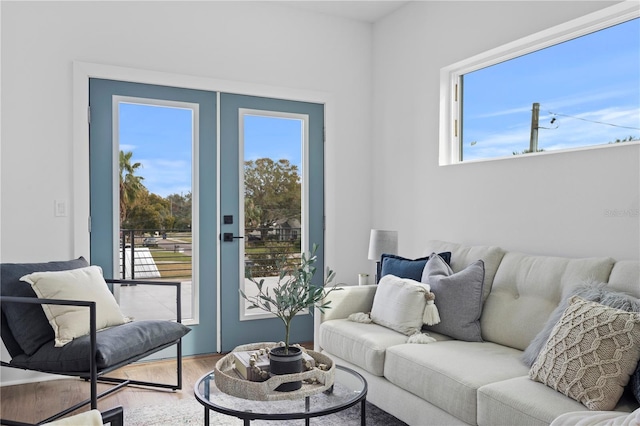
180,207
130,185
272,192
150,212
628,139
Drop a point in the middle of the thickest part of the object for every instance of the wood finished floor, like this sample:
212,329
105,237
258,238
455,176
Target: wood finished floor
34,402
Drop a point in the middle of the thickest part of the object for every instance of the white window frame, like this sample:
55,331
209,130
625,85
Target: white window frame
247,314
450,76
195,189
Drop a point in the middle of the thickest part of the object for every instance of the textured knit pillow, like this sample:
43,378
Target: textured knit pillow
458,298
399,304
86,284
591,353
591,290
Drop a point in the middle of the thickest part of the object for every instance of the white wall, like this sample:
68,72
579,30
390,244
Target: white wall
382,152
255,43
549,204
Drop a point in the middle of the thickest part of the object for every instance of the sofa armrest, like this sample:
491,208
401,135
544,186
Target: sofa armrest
344,302
348,301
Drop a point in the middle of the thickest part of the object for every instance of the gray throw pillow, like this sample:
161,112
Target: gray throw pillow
458,298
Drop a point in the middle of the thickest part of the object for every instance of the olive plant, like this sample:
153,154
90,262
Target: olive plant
294,291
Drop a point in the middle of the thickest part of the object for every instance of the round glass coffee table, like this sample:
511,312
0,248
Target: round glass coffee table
349,388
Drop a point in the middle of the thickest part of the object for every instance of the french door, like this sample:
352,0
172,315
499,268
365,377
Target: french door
125,118
272,206
216,224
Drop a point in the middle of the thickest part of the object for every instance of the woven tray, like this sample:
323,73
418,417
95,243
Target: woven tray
228,381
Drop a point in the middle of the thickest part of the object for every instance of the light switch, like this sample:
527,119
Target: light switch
60,208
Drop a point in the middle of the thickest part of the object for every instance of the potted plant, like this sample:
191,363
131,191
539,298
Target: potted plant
292,294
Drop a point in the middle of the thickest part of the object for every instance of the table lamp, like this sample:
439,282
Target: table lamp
381,242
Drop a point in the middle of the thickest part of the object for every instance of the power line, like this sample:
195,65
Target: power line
593,121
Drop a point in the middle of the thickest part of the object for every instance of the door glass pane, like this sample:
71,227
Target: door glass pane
155,214
274,197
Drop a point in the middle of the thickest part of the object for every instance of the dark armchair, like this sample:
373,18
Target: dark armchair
29,337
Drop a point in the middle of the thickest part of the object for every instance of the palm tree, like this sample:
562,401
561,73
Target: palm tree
130,184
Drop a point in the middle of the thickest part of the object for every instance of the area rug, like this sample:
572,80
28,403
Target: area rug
188,411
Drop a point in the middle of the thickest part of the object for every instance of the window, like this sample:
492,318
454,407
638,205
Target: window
573,86
273,150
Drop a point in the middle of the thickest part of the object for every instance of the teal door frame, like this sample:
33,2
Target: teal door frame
101,170
235,332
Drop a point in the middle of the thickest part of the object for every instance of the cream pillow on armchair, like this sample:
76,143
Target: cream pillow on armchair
86,284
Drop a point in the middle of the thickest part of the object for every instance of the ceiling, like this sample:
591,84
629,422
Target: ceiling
360,10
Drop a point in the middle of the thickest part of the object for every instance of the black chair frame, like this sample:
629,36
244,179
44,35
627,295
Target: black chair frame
94,375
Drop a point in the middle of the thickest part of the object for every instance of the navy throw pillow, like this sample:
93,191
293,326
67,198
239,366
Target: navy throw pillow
407,268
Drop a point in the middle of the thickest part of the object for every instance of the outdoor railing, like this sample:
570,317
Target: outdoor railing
167,254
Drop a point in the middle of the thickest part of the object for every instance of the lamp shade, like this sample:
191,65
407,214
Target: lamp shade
382,242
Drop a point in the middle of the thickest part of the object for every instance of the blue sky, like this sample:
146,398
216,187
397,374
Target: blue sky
590,79
276,138
161,140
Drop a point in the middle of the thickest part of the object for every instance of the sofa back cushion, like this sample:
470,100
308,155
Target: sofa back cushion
625,277
526,289
463,256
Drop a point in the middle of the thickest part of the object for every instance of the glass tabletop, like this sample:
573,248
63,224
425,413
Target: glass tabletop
348,389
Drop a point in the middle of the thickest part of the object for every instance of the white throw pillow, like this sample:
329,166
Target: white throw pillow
399,304
86,284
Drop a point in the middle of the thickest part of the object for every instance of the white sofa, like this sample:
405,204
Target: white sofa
458,382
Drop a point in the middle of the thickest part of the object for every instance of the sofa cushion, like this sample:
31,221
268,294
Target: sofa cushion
625,277
590,354
527,289
84,284
597,418
463,256
458,298
402,267
399,304
113,345
28,324
364,345
509,402
447,374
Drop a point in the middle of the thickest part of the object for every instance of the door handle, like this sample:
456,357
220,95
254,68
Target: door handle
228,237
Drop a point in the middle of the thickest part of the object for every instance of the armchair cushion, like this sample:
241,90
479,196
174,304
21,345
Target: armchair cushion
114,345
88,418
86,284
27,323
